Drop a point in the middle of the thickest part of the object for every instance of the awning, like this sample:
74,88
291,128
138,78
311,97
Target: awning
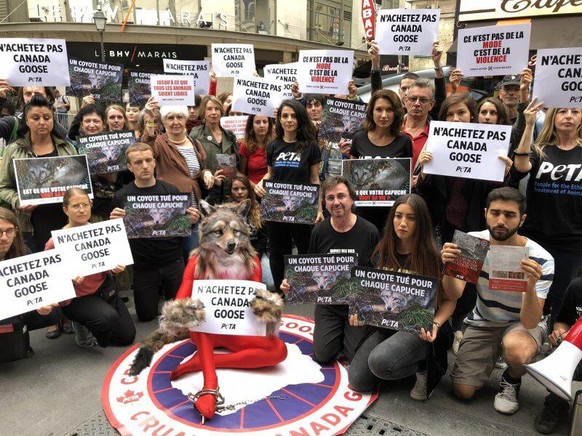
550,32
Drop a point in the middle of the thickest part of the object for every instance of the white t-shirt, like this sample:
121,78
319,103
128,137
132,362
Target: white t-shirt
499,308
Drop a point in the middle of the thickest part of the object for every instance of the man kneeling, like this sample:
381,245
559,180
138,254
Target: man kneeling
506,321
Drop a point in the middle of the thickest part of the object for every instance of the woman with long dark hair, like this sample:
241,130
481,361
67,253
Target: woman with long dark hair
407,244
292,157
253,148
380,138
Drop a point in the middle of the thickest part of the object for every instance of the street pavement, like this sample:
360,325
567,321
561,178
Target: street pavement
57,392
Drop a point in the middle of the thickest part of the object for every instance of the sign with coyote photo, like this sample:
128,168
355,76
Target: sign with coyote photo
289,203
315,278
44,180
468,265
138,88
102,81
378,182
94,248
394,300
341,119
106,151
157,216
228,308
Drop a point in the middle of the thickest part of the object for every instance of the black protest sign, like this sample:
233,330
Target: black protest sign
289,203
157,216
102,81
106,151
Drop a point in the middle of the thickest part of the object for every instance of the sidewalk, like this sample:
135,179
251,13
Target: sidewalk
57,392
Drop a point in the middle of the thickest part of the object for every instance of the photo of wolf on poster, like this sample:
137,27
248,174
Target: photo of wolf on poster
290,203
102,81
378,182
314,278
138,88
158,216
394,300
340,120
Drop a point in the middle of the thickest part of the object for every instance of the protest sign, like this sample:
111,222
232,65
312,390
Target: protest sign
199,70
378,182
468,265
33,281
232,60
227,163
106,151
256,96
394,300
407,31
558,81
93,248
170,90
34,62
493,50
102,81
325,71
289,203
227,306
44,180
505,273
138,87
285,74
157,216
236,124
318,278
339,121
467,150
369,18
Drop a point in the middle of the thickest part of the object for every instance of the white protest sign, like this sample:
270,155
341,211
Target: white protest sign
228,310
285,74
236,124
94,248
170,90
231,60
199,70
33,281
467,150
407,31
493,50
325,71
256,95
558,80
34,62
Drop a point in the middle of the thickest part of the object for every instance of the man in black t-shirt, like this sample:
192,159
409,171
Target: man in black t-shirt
342,232
158,262
555,408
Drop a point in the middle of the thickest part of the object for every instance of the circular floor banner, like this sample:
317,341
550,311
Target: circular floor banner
298,396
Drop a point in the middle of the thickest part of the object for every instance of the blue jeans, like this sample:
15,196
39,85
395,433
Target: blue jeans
386,355
190,243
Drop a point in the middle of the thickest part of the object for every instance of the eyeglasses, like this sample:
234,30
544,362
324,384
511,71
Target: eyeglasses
8,232
340,197
422,100
80,206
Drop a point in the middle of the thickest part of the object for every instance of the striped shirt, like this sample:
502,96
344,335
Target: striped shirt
187,151
500,308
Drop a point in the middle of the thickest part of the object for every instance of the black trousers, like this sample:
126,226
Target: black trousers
148,284
109,321
281,237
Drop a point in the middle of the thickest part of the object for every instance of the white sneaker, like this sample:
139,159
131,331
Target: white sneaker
457,341
419,392
506,401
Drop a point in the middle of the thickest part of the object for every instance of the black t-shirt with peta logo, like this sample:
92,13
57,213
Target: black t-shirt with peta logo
289,166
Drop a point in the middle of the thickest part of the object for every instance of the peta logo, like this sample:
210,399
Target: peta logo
290,156
566,173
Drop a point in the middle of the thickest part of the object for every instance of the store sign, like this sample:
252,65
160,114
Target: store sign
470,10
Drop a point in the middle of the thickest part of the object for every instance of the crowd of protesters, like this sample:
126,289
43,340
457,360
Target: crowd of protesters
176,151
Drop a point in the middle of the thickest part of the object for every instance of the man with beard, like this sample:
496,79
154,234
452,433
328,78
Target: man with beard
502,321
342,232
